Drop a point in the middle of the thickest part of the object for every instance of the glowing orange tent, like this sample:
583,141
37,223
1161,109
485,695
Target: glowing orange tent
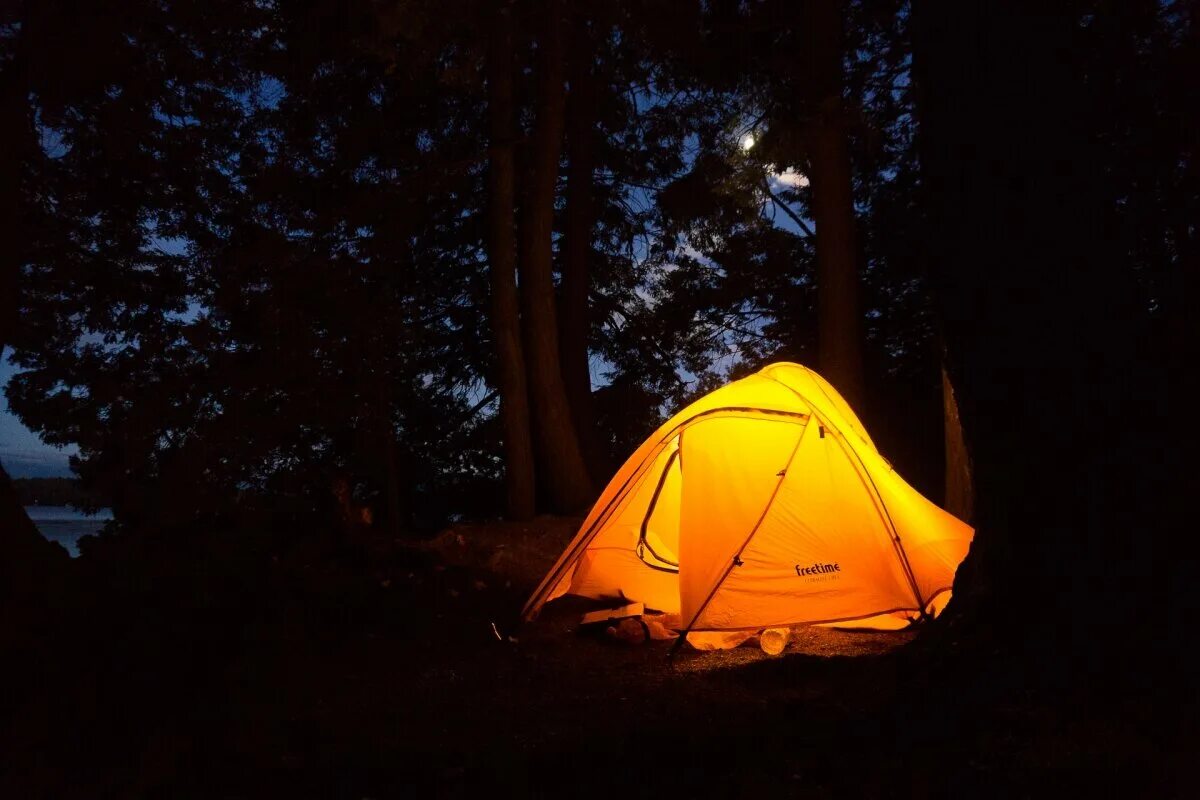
763,504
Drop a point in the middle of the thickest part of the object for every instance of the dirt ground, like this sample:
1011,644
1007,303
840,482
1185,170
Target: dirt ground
401,670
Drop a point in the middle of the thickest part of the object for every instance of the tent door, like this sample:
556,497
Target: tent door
656,559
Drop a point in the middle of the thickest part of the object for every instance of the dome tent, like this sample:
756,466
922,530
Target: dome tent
763,504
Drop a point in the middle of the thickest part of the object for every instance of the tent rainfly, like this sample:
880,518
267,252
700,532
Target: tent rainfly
763,504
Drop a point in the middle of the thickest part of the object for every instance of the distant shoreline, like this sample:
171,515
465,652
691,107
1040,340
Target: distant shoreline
55,492
65,513
66,525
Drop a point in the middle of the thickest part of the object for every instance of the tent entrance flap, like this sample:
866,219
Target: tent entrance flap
721,490
658,557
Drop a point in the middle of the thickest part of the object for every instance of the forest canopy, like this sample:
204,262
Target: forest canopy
261,239
53,492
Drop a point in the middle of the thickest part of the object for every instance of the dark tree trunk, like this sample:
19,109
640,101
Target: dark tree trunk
560,459
391,460
574,319
511,379
960,490
13,131
27,560
839,334
1055,371
395,507
34,574
24,553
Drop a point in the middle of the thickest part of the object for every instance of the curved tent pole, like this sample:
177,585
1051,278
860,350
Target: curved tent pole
885,516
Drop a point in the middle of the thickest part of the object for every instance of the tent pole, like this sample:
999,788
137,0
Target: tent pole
886,516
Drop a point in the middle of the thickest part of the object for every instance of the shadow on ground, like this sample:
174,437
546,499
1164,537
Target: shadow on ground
210,668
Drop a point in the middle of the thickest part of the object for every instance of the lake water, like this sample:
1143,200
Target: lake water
65,525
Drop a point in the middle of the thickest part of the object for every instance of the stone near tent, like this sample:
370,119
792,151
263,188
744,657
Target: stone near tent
630,630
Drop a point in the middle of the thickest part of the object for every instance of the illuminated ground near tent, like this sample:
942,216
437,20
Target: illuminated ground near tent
383,678
523,552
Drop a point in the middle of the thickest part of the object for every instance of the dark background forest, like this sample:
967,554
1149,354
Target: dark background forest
307,283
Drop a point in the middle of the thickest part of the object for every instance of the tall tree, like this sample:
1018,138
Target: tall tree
839,327
574,317
959,496
24,554
1059,373
561,465
511,378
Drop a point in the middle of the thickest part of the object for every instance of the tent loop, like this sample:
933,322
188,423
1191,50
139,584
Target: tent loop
640,551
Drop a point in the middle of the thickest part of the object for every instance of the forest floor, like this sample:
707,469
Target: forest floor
317,673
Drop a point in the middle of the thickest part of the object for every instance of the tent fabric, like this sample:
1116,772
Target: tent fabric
762,504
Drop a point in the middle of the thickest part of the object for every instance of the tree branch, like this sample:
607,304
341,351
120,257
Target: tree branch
779,203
